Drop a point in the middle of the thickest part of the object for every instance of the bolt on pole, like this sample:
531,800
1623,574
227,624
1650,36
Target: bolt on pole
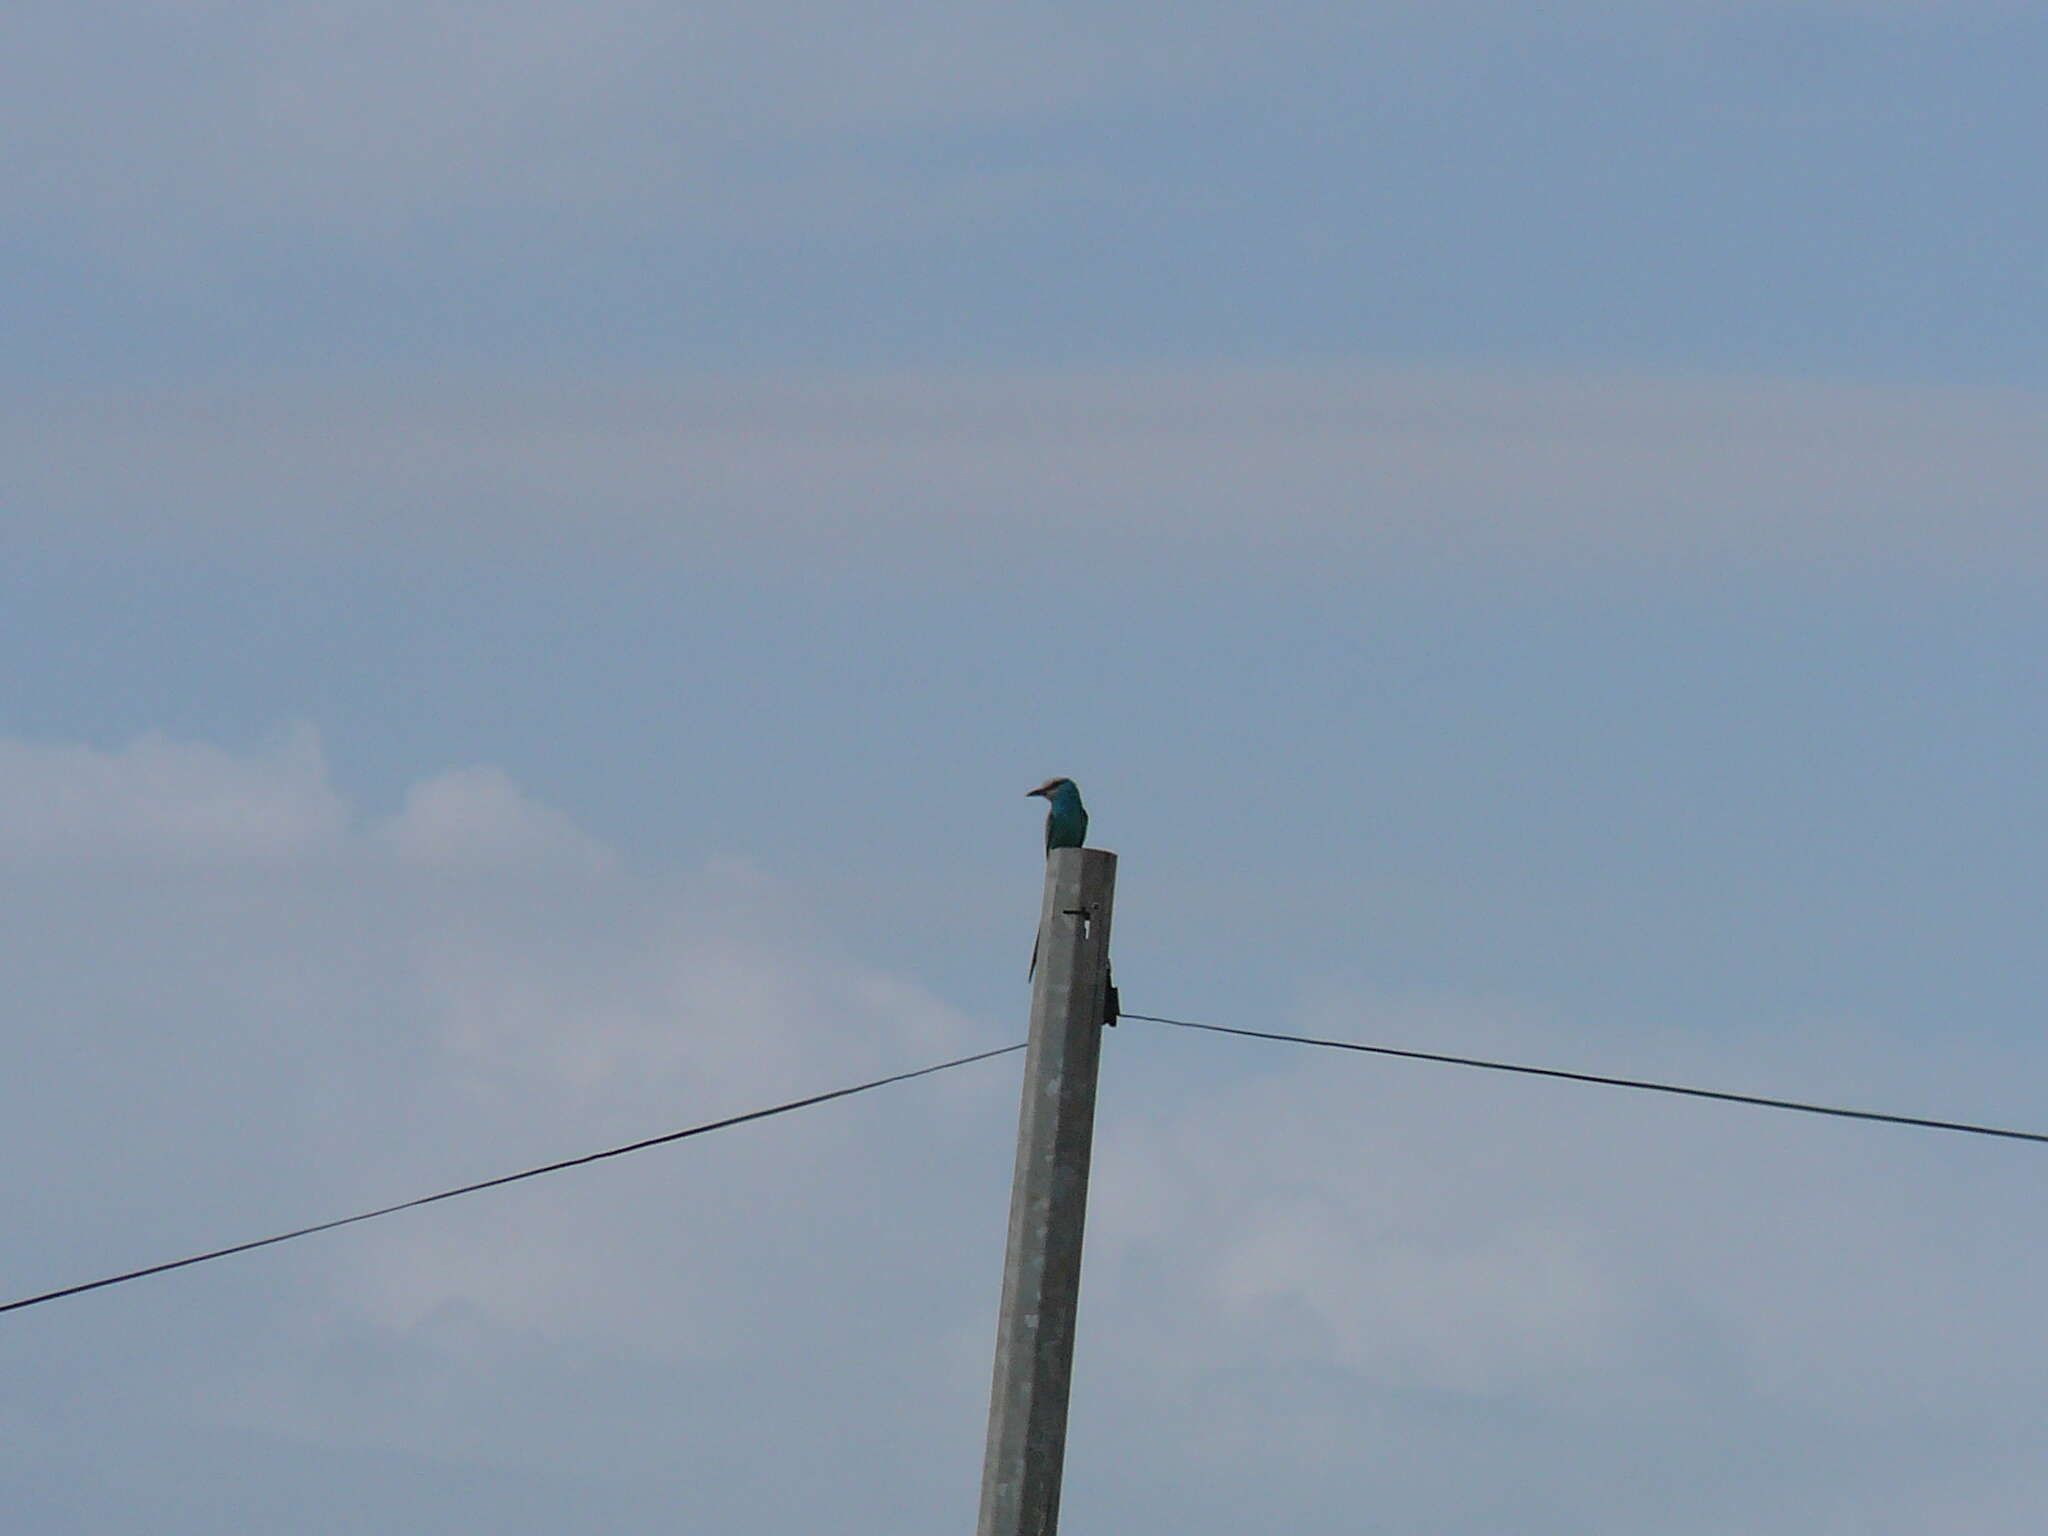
1027,1420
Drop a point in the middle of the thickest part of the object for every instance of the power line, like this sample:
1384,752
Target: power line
509,1178
1481,1063
1605,1081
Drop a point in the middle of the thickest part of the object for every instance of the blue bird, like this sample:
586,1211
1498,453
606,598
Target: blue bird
1066,819
1066,826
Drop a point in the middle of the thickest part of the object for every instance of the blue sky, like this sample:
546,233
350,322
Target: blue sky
544,544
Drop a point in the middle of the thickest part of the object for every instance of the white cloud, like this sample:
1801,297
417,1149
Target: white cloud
1513,1241
166,799
1460,1289
470,985
478,816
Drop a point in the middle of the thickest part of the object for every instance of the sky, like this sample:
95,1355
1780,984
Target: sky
541,546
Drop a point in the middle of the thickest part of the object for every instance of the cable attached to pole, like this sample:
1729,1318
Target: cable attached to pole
1638,1084
506,1178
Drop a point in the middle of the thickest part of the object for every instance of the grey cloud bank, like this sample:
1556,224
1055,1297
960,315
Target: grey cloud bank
922,474
511,106
1806,188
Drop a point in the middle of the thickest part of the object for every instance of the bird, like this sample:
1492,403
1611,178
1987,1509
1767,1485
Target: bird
1066,826
1066,819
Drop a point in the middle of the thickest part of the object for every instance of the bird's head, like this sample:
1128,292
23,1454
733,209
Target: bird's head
1050,788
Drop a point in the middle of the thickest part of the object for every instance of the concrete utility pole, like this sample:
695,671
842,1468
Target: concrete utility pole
1027,1416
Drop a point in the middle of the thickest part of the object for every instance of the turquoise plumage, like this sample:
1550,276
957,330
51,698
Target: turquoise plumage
1066,826
1066,819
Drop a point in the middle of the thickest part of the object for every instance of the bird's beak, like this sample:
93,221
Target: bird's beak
1030,792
